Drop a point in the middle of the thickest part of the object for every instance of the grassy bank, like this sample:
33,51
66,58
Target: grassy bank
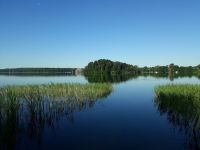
78,91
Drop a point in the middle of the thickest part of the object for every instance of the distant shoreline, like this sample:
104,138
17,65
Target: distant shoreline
40,71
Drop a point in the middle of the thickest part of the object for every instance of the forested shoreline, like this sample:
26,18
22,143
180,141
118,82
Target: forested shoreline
105,66
111,67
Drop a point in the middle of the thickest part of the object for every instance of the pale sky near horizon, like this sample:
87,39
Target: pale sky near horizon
71,33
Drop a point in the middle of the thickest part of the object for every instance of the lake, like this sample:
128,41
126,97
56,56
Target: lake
128,118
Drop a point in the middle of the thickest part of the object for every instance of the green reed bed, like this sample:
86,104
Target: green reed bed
174,91
181,99
26,110
78,91
180,103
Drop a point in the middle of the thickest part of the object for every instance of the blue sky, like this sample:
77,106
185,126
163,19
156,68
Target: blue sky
71,33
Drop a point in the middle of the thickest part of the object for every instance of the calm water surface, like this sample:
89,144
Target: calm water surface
126,119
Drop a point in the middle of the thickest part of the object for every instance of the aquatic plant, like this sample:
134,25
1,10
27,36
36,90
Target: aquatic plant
26,110
186,92
79,91
181,104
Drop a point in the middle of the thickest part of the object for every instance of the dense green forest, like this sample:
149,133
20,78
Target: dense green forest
111,67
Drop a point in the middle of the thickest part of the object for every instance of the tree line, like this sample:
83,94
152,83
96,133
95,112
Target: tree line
111,67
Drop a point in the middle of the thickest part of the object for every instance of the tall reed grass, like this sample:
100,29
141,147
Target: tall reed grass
26,110
78,91
177,91
181,104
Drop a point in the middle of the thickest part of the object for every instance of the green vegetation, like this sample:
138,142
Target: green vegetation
26,110
197,71
187,92
79,91
170,70
181,104
104,66
109,67
108,71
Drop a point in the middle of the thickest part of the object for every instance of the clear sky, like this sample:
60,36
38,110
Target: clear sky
71,33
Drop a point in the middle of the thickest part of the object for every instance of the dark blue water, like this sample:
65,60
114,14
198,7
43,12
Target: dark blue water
127,119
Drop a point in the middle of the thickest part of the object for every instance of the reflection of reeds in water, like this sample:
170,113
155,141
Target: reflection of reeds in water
181,103
26,110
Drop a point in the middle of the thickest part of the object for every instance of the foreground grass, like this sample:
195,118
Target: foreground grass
78,91
174,91
183,99
181,104
26,110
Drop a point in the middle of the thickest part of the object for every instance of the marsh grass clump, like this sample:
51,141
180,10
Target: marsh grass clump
189,92
78,91
26,110
181,104
181,98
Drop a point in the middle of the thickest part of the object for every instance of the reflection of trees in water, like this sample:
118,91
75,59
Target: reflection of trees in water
117,78
107,77
171,77
25,118
184,115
